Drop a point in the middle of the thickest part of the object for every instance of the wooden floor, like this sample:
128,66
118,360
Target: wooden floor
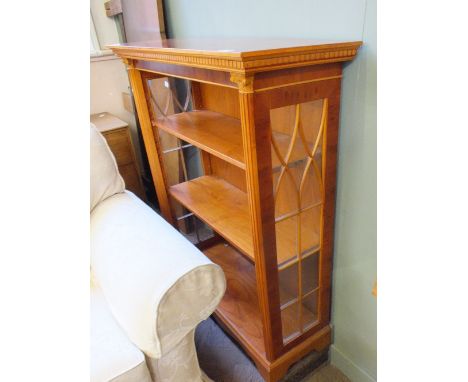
326,373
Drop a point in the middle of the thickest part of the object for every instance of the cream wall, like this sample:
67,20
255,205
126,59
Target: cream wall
108,75
108,81
354,312
105,26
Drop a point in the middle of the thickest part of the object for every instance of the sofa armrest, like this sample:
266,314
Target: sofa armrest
157,284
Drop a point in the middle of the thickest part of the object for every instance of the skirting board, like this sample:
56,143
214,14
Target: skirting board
348,367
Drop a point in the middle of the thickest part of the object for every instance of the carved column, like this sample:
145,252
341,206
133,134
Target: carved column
257,156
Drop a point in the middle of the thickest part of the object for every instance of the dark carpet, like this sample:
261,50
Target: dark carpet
223,361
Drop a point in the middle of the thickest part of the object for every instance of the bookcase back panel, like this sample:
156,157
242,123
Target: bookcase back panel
217,98
230,173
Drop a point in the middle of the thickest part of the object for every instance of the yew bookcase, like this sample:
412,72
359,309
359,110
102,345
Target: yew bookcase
262,116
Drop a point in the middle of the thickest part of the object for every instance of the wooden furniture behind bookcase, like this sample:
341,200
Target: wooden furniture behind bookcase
117,134
265,120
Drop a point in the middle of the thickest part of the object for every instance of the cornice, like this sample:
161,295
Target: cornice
243,62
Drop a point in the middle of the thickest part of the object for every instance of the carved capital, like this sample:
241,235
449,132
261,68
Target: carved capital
243,81
129,63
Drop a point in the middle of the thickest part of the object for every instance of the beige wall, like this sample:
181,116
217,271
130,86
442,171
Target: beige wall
105,26
108,78
108,81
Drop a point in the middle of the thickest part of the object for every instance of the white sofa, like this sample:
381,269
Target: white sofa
150,287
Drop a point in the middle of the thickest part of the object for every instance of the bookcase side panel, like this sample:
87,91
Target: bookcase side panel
142,101
303,124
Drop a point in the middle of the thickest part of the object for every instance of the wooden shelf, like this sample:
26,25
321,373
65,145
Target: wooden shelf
215,133
224,208
239,308
221,135
220,205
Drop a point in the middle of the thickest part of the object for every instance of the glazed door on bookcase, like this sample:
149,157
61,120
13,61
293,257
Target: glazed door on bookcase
304,124
180,160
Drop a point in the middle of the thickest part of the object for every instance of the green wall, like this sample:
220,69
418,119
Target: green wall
354,308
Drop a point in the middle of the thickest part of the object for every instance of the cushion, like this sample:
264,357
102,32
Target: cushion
113,356
158,285
105,179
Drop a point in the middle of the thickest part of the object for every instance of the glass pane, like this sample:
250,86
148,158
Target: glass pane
310,230
282,125
286,240
288,285
311,116
289,280
297,138
311,184
193,228
175,171
290,322
310,268
309,310
287,195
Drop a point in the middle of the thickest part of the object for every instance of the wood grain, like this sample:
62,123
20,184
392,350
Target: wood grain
119,144
220,205
239,307
257,153
230,173
215,133
219,99
219,135
198,74
241,55
285,77
302,93
225,209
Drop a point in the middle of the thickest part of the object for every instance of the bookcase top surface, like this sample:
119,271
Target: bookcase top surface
239,54
236,46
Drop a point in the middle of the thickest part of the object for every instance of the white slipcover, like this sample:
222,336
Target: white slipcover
113,356
157,284
154,286
105,178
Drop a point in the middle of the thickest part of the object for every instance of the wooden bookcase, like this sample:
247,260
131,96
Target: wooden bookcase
264,119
